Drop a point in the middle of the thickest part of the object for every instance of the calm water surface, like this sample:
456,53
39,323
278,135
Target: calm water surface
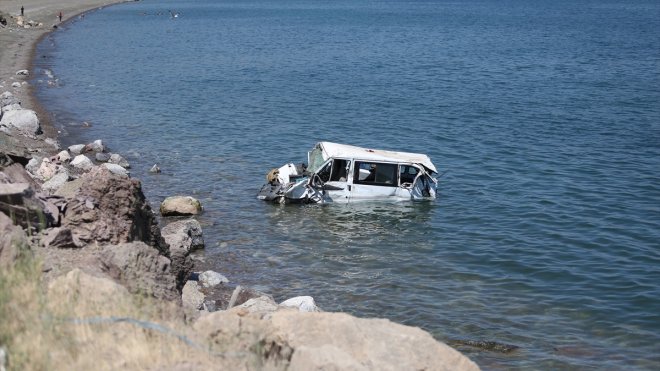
545,115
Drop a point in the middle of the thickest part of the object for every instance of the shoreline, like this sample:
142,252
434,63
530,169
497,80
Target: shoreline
20,45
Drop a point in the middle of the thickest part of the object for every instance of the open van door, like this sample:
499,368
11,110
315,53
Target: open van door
332,180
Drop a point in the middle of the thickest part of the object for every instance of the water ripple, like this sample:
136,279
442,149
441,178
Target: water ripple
544,115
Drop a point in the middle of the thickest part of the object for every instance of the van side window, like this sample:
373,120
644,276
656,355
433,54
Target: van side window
407,174
375,173
340,170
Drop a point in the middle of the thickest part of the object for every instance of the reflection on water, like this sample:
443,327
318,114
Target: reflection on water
350,225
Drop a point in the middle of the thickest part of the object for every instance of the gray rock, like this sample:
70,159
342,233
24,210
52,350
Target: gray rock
25,121
102,157
77,149
117,159
16,191
8,98
95,146
184,234
82,162
52,142
291,340
154,169
47,169
226,297
23,73
70,189
64,156
116,169
302,303
141,269
59,238
212,279
11,107
54,207
54,183
262,305
192,297
180,205
16,173
33,165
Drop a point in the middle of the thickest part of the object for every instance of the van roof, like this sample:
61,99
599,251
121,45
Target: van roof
336,150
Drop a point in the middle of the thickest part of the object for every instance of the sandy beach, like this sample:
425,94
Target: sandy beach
18,43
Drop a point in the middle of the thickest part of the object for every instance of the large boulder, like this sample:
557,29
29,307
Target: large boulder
341,341
108,208
141,269
292,340
180,206
182,236
24,121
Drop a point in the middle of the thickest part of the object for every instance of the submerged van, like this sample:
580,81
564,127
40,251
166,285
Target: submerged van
345,173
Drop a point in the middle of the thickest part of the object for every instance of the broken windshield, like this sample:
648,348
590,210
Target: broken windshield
315,159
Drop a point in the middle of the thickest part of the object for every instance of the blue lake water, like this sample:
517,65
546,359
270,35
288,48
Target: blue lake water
544,114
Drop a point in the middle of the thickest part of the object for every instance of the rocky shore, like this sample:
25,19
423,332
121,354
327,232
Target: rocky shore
91,278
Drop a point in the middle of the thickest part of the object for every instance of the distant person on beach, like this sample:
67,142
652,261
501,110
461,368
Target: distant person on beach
22,10
60,16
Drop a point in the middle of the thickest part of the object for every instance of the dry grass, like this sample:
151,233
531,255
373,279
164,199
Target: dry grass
37,330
